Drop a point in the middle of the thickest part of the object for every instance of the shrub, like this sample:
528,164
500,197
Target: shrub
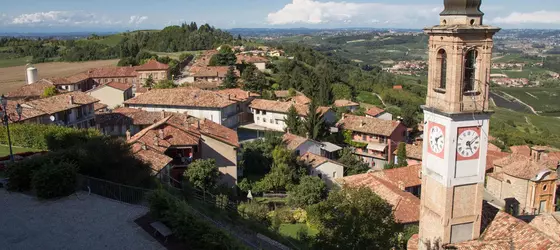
253,211
21,172
55,180
46,137
285,215
159,201
300,216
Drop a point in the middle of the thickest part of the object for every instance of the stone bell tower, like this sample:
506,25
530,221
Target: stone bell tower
456,127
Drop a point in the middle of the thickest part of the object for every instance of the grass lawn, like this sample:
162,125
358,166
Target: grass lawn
291,230
5,150
175,55
112,40
369,98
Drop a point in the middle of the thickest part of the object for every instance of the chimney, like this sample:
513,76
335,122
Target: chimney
229,97
198,124
127,134
401,185
70,99
144,147
362,123
156,141
161,134
162,114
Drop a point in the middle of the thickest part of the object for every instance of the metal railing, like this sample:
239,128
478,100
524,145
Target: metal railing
112,190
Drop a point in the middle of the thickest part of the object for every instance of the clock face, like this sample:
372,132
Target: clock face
468,143
437,139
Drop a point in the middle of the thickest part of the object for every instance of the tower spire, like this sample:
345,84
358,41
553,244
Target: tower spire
462,8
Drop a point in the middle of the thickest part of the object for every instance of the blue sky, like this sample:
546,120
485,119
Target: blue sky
119,15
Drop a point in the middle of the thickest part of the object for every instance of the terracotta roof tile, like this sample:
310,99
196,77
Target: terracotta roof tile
548,224
315,161
507,232
293,141
285,93
283,107
112,72
521,150
119,85
368,125
345,103
408,176
192,97
374,111
251,59
237,94
30,92
492,147
69,79
524,167
155,159
493,156
99,106
152,65
301,99
211,71
413,151
406,207
61,102
26,113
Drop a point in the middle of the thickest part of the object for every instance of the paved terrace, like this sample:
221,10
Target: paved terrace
77,222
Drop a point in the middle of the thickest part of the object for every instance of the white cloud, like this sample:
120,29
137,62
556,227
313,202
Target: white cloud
315,12
62,18
136,20
537,17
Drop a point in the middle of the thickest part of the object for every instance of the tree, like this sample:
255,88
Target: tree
352,164
341,91
149,83
225,57
254,80
310,190
285,171
203,174
165,84
353,218
401,155
314,124
230,80
292,121
50,91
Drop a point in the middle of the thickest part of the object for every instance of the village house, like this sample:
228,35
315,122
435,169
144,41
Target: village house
406,206
30,92
526,184
158,71
347,104
203,104
413,154
379,137
112,94
244,99
209,74
376,112
277,53
408,178
78,82
259,61
324,168
73,109
175,141
302,145
271,114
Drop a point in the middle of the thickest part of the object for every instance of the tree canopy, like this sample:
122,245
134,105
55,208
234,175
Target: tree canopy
310,190
203,174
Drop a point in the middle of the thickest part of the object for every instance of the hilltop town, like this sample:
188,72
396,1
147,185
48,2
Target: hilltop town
254,142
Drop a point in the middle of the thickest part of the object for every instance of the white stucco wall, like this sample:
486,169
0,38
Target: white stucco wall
107,95
309,146
329,172
213,114
263,120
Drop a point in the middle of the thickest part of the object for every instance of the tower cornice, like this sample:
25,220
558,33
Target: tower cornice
461,29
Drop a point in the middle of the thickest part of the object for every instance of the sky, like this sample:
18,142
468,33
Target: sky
121,15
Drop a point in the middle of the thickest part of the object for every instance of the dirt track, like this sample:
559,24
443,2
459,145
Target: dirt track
12,77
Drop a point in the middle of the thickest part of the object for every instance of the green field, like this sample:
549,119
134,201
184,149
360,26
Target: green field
546,101
291,230
4,63
525,73
111,40
369,98
5,150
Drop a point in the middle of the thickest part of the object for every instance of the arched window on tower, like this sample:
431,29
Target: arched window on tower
469,79
442,67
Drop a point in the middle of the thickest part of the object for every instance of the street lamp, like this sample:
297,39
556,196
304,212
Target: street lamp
6,120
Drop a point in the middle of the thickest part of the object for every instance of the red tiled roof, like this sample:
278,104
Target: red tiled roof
548,224
368,125
493,156
152,64
524,167
413,151
119,85
251,59
375,111
293,141
301,99
99,106
521,150
315,161
188,97
492,147
69,79
211,71
112,72
345,103
162,135
406,207
155,159
30,92
237,94
283,107
408,176
507,232
61,102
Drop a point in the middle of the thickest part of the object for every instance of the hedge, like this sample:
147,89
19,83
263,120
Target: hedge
177,215
54,180
46,137
20,173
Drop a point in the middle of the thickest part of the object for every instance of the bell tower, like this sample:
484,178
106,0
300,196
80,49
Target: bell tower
456,127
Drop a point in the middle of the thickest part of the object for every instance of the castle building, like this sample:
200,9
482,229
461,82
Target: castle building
456,119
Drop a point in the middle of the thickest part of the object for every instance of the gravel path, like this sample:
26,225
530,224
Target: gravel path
79,221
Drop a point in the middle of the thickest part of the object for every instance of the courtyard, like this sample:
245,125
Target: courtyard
80,221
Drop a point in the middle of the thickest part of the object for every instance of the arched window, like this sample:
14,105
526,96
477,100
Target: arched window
442,64
469,79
